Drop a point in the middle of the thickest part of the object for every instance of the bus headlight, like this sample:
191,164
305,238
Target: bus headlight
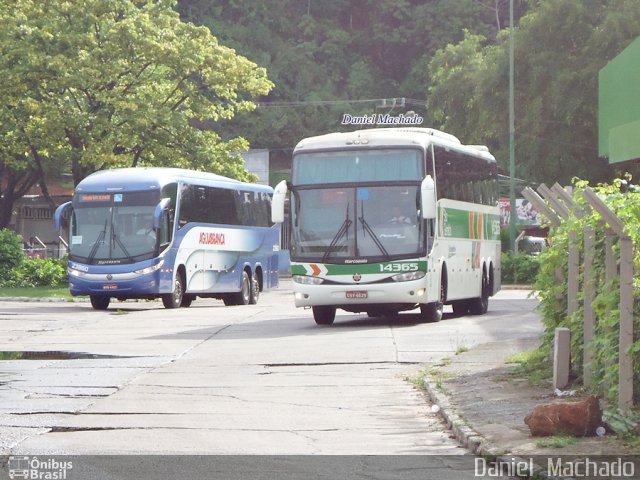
306,280
150,269
72,272
406,277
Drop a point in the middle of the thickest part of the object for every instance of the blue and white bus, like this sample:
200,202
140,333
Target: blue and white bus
172,234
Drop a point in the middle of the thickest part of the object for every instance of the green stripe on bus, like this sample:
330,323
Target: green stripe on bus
361,268
455,223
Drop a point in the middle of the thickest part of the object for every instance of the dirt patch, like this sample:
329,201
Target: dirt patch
493,402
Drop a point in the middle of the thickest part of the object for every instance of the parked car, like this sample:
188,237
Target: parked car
532,245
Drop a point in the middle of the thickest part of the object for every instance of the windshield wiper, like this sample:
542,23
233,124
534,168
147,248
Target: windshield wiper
374,237
344,229
117,240
96,244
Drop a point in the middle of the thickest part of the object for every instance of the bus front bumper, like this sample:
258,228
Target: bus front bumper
412,292
140,286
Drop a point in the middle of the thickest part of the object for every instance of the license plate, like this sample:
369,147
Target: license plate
358,294
109,287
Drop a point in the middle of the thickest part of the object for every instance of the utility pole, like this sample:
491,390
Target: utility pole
512,133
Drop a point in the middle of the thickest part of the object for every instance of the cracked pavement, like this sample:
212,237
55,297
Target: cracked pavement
260,379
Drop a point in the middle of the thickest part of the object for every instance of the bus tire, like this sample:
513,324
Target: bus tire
98,302
255,289
174,299
187,300
480,305
460,308
432,312
324,315
244,295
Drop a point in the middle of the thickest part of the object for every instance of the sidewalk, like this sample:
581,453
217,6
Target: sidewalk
485,407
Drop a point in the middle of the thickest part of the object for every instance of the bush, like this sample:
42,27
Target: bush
553,293
11,252
37,272
519,268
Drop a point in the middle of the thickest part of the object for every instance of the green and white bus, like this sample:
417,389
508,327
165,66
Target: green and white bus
392,219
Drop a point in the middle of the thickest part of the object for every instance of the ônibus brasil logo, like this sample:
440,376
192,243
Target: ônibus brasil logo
40,469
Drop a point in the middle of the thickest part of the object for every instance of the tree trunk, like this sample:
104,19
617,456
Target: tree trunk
16,185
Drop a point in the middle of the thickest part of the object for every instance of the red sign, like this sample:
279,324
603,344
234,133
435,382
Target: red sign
212,238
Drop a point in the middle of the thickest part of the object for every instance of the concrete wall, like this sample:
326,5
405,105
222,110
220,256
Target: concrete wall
257,162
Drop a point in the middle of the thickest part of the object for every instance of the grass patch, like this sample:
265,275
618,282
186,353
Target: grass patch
461,349
434,374
632,441
36,292
460,346
10,355
558,441
417,380
534,365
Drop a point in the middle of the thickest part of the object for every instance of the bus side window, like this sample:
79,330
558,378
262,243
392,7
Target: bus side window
186,206
223,206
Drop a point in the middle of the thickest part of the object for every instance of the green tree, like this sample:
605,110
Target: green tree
560,45
110,83
338,50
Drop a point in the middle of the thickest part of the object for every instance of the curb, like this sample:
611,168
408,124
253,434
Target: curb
43,299
516,287
474,441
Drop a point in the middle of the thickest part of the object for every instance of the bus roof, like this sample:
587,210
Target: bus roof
391,137
143,178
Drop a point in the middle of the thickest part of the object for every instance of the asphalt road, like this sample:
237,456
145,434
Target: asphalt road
216,380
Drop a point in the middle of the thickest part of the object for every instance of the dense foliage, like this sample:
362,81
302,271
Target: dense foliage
344,52
453,54
553,293
560,46
11,253
18,270
112,84
38,272
519,268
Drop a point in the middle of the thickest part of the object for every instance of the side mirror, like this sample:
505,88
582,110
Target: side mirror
428,198
157,214
59,213
277,203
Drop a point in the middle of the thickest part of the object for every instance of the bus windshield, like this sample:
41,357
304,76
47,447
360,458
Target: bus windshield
375,222
380,165
113,228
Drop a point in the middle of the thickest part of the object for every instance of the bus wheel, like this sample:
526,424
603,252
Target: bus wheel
255,289
460,308
187,300
324,315
174,299
244,295
432,312
99,302
480,305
